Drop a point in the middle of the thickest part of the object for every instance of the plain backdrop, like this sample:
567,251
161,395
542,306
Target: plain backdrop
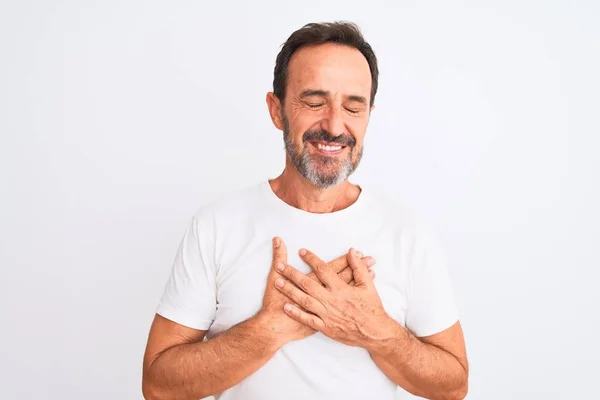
119,119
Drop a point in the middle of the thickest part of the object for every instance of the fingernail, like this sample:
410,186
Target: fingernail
279,266
370,261
276,242
279,282
360,254
353,252
302,252
287,307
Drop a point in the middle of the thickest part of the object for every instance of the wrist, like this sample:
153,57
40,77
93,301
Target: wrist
265,323
389,334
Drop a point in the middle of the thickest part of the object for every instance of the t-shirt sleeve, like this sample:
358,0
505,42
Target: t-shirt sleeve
431,304
189,297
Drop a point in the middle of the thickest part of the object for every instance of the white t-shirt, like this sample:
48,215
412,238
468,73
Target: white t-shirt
220,273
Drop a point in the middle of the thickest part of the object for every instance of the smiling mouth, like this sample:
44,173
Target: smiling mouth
328,148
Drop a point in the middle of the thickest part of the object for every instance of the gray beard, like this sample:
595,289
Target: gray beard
309,165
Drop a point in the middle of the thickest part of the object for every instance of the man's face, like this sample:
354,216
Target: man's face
326,112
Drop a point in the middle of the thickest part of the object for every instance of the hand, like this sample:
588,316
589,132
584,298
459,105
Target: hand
341,267
353,315
284,328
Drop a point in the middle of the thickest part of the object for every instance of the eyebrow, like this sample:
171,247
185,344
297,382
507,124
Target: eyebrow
326,93
359,99
313,92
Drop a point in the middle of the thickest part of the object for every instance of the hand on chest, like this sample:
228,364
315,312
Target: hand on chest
241,280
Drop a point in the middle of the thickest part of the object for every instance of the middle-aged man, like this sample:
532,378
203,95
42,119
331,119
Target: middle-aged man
274,292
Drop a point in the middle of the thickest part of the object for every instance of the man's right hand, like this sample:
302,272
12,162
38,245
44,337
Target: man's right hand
272,317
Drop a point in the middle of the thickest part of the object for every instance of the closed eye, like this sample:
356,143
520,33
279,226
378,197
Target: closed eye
315,105
353,110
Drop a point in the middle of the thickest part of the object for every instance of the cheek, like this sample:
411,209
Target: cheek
299,127
358,133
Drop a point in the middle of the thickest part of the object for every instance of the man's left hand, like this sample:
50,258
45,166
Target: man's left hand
353,315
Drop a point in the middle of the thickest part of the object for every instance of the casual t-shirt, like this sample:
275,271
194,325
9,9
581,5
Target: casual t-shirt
220,272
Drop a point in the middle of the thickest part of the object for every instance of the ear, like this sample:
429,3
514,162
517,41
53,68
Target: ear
372,108
274,106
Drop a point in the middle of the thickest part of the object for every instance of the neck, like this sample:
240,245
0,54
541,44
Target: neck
296,191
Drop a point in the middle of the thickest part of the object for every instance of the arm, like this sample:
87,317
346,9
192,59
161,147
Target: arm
179,365
433,367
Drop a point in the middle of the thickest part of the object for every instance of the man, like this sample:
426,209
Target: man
271,277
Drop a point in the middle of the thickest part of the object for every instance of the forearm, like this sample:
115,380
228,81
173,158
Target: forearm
422,369
197,370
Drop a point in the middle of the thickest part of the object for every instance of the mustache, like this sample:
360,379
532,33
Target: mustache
324,136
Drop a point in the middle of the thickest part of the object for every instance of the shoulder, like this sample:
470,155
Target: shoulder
231,206
411,229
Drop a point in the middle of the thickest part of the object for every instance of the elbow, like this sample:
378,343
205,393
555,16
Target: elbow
150,392
461,393
461,390
458,393
464,387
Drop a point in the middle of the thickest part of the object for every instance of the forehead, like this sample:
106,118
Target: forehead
339,69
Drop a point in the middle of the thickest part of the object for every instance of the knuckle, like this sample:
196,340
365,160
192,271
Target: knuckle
347,278
305,284
321,268
337,265
287,288
290,273
306,303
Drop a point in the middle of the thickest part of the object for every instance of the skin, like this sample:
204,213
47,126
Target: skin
328,89
179,364
324,83
433,367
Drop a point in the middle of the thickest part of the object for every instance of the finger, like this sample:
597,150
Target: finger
279,252
340,263
344,271
371,274
309,286
314,277
346,275
359,268
303,317
321,269
305,301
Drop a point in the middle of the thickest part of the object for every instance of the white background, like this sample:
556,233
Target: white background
120,118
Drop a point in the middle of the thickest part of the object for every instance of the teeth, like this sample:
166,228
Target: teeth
328,148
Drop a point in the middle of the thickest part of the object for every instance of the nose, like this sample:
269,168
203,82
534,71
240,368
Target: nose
334,122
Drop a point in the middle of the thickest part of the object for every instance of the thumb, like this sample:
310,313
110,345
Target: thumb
359,268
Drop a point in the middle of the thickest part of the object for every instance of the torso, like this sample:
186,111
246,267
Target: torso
315,367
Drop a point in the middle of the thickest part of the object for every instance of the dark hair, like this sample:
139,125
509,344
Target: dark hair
344,33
